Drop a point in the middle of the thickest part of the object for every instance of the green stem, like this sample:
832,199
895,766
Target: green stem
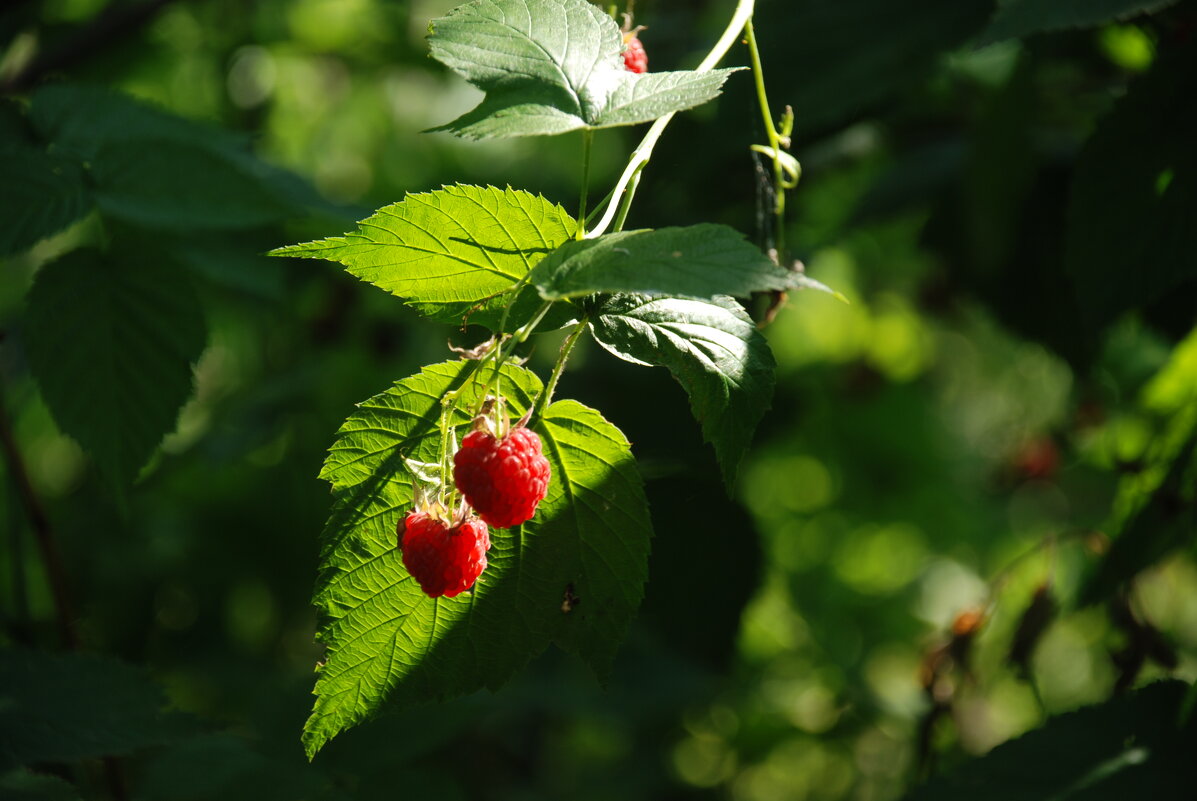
779,188
587,141
504,349
546,395
622,215
598,207
644,151
758,77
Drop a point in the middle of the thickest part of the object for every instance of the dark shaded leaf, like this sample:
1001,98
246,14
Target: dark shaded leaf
1131,235
1028,17
59,708
129,143
714,351
111,345
21,785
1128,747
42,195
837,60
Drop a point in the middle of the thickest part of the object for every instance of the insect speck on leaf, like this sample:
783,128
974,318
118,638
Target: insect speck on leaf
569,601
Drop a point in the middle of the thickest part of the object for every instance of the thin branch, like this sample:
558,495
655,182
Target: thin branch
42,532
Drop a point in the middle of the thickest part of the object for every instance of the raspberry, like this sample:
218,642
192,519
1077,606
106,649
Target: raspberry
503,479
445,559
634,57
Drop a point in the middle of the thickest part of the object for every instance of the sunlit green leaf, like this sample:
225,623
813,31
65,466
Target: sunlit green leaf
551,66
698,261
448,253
111,344
386,640
713,350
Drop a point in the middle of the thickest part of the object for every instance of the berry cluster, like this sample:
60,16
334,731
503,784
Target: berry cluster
502,479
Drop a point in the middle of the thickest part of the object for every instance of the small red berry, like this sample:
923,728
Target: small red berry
503,479
634,57
446,560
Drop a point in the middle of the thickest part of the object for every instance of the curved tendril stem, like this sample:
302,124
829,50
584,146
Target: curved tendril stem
644,151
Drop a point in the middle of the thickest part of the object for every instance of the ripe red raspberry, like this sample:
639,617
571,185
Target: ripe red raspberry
634,57
445,559
503,479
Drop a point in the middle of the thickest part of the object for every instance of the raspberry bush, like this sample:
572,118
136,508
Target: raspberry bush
481,435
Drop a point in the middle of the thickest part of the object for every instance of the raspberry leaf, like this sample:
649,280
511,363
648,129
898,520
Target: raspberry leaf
111,346
551,66
699,261
597,512
1028,17
1130,746
389,642
1142,212
448,252
65,707
42,195
156,169
714,351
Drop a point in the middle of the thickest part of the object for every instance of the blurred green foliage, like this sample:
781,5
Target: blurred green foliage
1011,386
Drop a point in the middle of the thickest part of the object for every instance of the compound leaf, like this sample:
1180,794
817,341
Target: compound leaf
551,66
699,261
386,640
59,708
1026,17
111,345
447,253
714,351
